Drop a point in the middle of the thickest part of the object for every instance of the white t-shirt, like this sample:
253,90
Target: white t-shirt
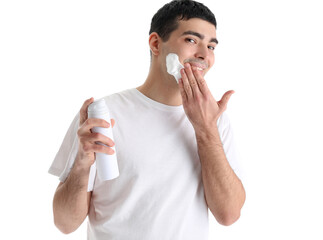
159,193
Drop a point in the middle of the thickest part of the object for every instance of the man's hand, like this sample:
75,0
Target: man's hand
224,192
87,139
200,107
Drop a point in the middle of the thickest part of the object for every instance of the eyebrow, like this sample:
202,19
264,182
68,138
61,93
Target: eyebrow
199,36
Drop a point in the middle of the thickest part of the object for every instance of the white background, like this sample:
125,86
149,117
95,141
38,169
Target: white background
56,54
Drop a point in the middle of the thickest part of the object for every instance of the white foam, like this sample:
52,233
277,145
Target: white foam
174,66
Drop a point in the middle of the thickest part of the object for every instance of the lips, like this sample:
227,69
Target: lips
200,65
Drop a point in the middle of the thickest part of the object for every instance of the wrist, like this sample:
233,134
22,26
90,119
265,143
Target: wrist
208,135
81,165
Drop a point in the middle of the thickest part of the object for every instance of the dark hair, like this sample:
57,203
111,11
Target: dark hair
165,21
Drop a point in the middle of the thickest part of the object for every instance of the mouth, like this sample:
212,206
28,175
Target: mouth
200,65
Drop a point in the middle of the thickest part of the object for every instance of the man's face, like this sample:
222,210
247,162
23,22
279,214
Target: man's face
194,42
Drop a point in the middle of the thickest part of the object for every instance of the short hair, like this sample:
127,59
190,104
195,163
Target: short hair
165,21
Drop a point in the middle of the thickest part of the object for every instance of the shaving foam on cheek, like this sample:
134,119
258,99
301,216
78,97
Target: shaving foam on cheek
174,66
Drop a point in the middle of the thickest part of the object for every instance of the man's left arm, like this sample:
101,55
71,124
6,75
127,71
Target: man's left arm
224,192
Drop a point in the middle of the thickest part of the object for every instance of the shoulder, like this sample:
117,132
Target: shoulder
119,96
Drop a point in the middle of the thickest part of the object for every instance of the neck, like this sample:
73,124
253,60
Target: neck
161,87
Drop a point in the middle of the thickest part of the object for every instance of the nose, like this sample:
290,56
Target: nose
202,52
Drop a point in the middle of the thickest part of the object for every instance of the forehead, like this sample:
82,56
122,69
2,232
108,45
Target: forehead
196,25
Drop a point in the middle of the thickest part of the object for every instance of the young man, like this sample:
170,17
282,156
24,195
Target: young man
173,142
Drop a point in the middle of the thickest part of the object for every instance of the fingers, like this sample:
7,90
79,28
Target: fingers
193,82
88,147
186,84
83,110
99,138
102,149
182,91
225,99
96,142
112,122
90,123
200,81
191,79
91,142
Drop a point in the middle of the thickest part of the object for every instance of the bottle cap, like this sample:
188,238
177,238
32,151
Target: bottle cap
98,106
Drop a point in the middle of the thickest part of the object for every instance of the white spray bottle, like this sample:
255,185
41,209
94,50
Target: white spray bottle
106,165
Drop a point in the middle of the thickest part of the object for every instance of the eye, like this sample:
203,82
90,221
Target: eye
190,40
211,48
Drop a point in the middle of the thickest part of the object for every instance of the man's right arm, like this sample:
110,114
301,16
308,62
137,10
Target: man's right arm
72,200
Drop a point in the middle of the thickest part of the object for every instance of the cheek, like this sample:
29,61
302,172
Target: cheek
184,56
183,53
211,61
211,65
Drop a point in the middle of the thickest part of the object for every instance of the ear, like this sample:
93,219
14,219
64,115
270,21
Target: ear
154,43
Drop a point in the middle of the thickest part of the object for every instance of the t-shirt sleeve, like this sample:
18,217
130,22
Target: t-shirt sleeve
65,157
229,145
